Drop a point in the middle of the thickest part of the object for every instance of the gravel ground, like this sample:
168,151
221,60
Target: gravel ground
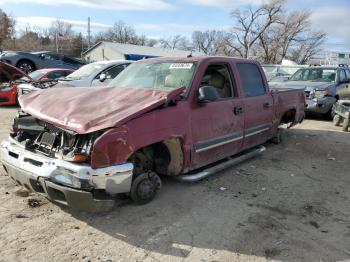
291,204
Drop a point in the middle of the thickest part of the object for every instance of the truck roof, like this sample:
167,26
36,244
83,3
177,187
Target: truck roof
196,59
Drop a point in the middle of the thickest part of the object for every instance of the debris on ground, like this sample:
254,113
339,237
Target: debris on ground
22,192
21,216
271,252
32,202
329,157
222,188
314,224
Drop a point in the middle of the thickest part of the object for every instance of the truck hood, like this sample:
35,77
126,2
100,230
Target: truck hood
86,110
306,85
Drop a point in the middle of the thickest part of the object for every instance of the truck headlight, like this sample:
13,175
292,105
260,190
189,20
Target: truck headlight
69,178
321,93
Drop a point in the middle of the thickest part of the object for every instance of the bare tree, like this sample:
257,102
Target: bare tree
251,23
308,47
121,33
7,26
175,42
209,42
60,28
276,41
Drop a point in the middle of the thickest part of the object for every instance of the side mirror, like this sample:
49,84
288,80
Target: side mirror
102,77
207,94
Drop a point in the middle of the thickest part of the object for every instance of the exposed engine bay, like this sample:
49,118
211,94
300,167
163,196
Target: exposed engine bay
43,84
43,138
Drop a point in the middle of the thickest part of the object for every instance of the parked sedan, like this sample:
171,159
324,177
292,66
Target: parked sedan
94,74
13,77
29,62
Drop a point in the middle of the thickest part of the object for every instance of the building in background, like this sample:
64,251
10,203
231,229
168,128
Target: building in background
116,51
330,58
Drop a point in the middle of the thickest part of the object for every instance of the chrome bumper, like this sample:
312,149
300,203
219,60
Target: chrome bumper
64,182
320,105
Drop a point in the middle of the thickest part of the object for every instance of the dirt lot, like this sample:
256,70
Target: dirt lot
291,204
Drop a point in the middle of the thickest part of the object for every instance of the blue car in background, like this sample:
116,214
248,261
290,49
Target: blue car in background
31,61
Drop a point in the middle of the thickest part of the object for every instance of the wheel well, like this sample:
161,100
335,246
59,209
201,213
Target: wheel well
26,60
288,117
165,157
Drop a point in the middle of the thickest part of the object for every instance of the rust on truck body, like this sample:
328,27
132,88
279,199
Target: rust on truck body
172,130
134,120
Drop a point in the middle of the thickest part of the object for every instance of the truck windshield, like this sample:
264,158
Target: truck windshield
156,75
315,75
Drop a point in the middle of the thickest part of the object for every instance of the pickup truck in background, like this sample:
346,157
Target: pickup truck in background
166,116
323,86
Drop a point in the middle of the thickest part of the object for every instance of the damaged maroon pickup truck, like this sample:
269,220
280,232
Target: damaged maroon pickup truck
181,117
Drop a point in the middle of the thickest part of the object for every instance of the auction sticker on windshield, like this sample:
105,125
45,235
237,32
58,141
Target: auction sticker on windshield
181,66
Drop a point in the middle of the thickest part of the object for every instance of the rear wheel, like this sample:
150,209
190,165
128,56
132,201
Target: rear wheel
336,120
26,66
278,138
144,187
346,125
329,115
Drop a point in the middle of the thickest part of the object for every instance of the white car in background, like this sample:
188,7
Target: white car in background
91,75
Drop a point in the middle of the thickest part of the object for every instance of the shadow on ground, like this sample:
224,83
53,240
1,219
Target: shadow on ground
290,204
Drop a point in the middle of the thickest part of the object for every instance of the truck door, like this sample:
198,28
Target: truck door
217,126
257,104
342,89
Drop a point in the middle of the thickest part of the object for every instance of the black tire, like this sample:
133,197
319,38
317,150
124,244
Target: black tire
144,188
346,125
278,139
329,115
26,66
337,120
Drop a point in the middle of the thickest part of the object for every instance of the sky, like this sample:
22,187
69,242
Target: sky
163,18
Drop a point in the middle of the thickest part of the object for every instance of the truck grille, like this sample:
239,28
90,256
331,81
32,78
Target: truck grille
307,94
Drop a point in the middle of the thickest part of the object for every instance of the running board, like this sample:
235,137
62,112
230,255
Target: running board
229,163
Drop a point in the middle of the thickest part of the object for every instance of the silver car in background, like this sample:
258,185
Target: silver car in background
91,75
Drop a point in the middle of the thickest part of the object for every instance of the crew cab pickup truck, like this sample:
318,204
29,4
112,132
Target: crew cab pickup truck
166,116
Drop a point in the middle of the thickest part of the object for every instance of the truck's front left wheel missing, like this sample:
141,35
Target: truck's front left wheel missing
145,187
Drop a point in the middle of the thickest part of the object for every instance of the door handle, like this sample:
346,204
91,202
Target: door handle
238,110
266,105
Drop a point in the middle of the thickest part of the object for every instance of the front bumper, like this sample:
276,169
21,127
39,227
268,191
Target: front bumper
65,182
320,105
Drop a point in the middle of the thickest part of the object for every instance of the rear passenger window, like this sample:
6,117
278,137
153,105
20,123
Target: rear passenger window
251,80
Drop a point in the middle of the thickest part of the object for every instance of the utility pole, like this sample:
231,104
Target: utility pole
56,40
89,33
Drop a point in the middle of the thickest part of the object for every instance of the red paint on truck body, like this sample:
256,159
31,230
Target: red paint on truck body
208,132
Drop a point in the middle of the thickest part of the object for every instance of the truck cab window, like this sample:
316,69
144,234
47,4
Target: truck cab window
342,76
218,76
251,80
